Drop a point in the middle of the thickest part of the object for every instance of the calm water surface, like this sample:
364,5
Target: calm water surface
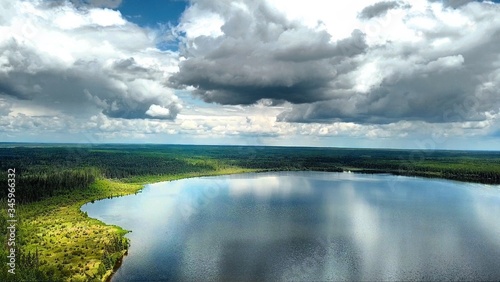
308,226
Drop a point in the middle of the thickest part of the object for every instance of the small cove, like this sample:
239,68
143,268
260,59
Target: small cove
308,226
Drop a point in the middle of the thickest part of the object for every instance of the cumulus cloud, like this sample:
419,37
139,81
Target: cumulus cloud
160,112
374,62
378,9
316,72
89,3
438,77
83,61
259,53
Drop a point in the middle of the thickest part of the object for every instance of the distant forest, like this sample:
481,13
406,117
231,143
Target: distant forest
47,170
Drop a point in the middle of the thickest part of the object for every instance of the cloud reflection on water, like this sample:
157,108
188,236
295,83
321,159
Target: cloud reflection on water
312,226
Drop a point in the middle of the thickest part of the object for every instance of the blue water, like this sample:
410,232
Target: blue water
308,226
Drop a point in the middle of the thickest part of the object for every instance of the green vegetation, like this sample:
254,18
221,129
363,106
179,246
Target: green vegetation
68,244
55,241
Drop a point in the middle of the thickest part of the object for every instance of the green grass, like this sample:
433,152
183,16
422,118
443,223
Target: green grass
70,244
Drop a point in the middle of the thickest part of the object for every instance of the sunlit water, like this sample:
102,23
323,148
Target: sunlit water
308,226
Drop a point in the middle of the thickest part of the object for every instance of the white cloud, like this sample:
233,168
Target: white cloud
338,62
83,61
160,112
283,72
246,125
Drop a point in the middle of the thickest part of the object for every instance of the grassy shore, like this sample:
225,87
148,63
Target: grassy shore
69,245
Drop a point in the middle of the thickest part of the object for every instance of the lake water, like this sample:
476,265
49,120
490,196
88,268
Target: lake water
308,226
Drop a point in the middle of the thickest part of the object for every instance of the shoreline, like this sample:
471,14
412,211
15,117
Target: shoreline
119,262
109,274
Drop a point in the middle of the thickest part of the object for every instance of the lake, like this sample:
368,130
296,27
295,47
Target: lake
308,226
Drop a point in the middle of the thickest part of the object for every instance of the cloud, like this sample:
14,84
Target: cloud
376,63
455,3
83,61
112,4
316,72
446,75
259,54
255,124
160,112
378,9
5,107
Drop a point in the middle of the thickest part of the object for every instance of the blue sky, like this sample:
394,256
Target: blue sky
153,12
393,74
156,14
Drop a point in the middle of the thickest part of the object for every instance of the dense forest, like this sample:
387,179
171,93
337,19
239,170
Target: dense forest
57,242
45,171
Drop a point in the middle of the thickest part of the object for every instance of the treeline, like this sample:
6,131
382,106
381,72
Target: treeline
27,267
112,254
36,185
46,171
479,170
111,163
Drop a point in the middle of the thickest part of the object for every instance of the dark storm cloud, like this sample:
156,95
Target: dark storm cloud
445,90
260,55
229,81
9,89
447,73
378,9
419,97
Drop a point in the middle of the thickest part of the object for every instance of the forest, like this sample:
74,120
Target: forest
45,171
57,242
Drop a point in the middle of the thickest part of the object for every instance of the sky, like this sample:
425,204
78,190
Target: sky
421,74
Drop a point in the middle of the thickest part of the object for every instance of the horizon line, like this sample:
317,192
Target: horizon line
240,145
